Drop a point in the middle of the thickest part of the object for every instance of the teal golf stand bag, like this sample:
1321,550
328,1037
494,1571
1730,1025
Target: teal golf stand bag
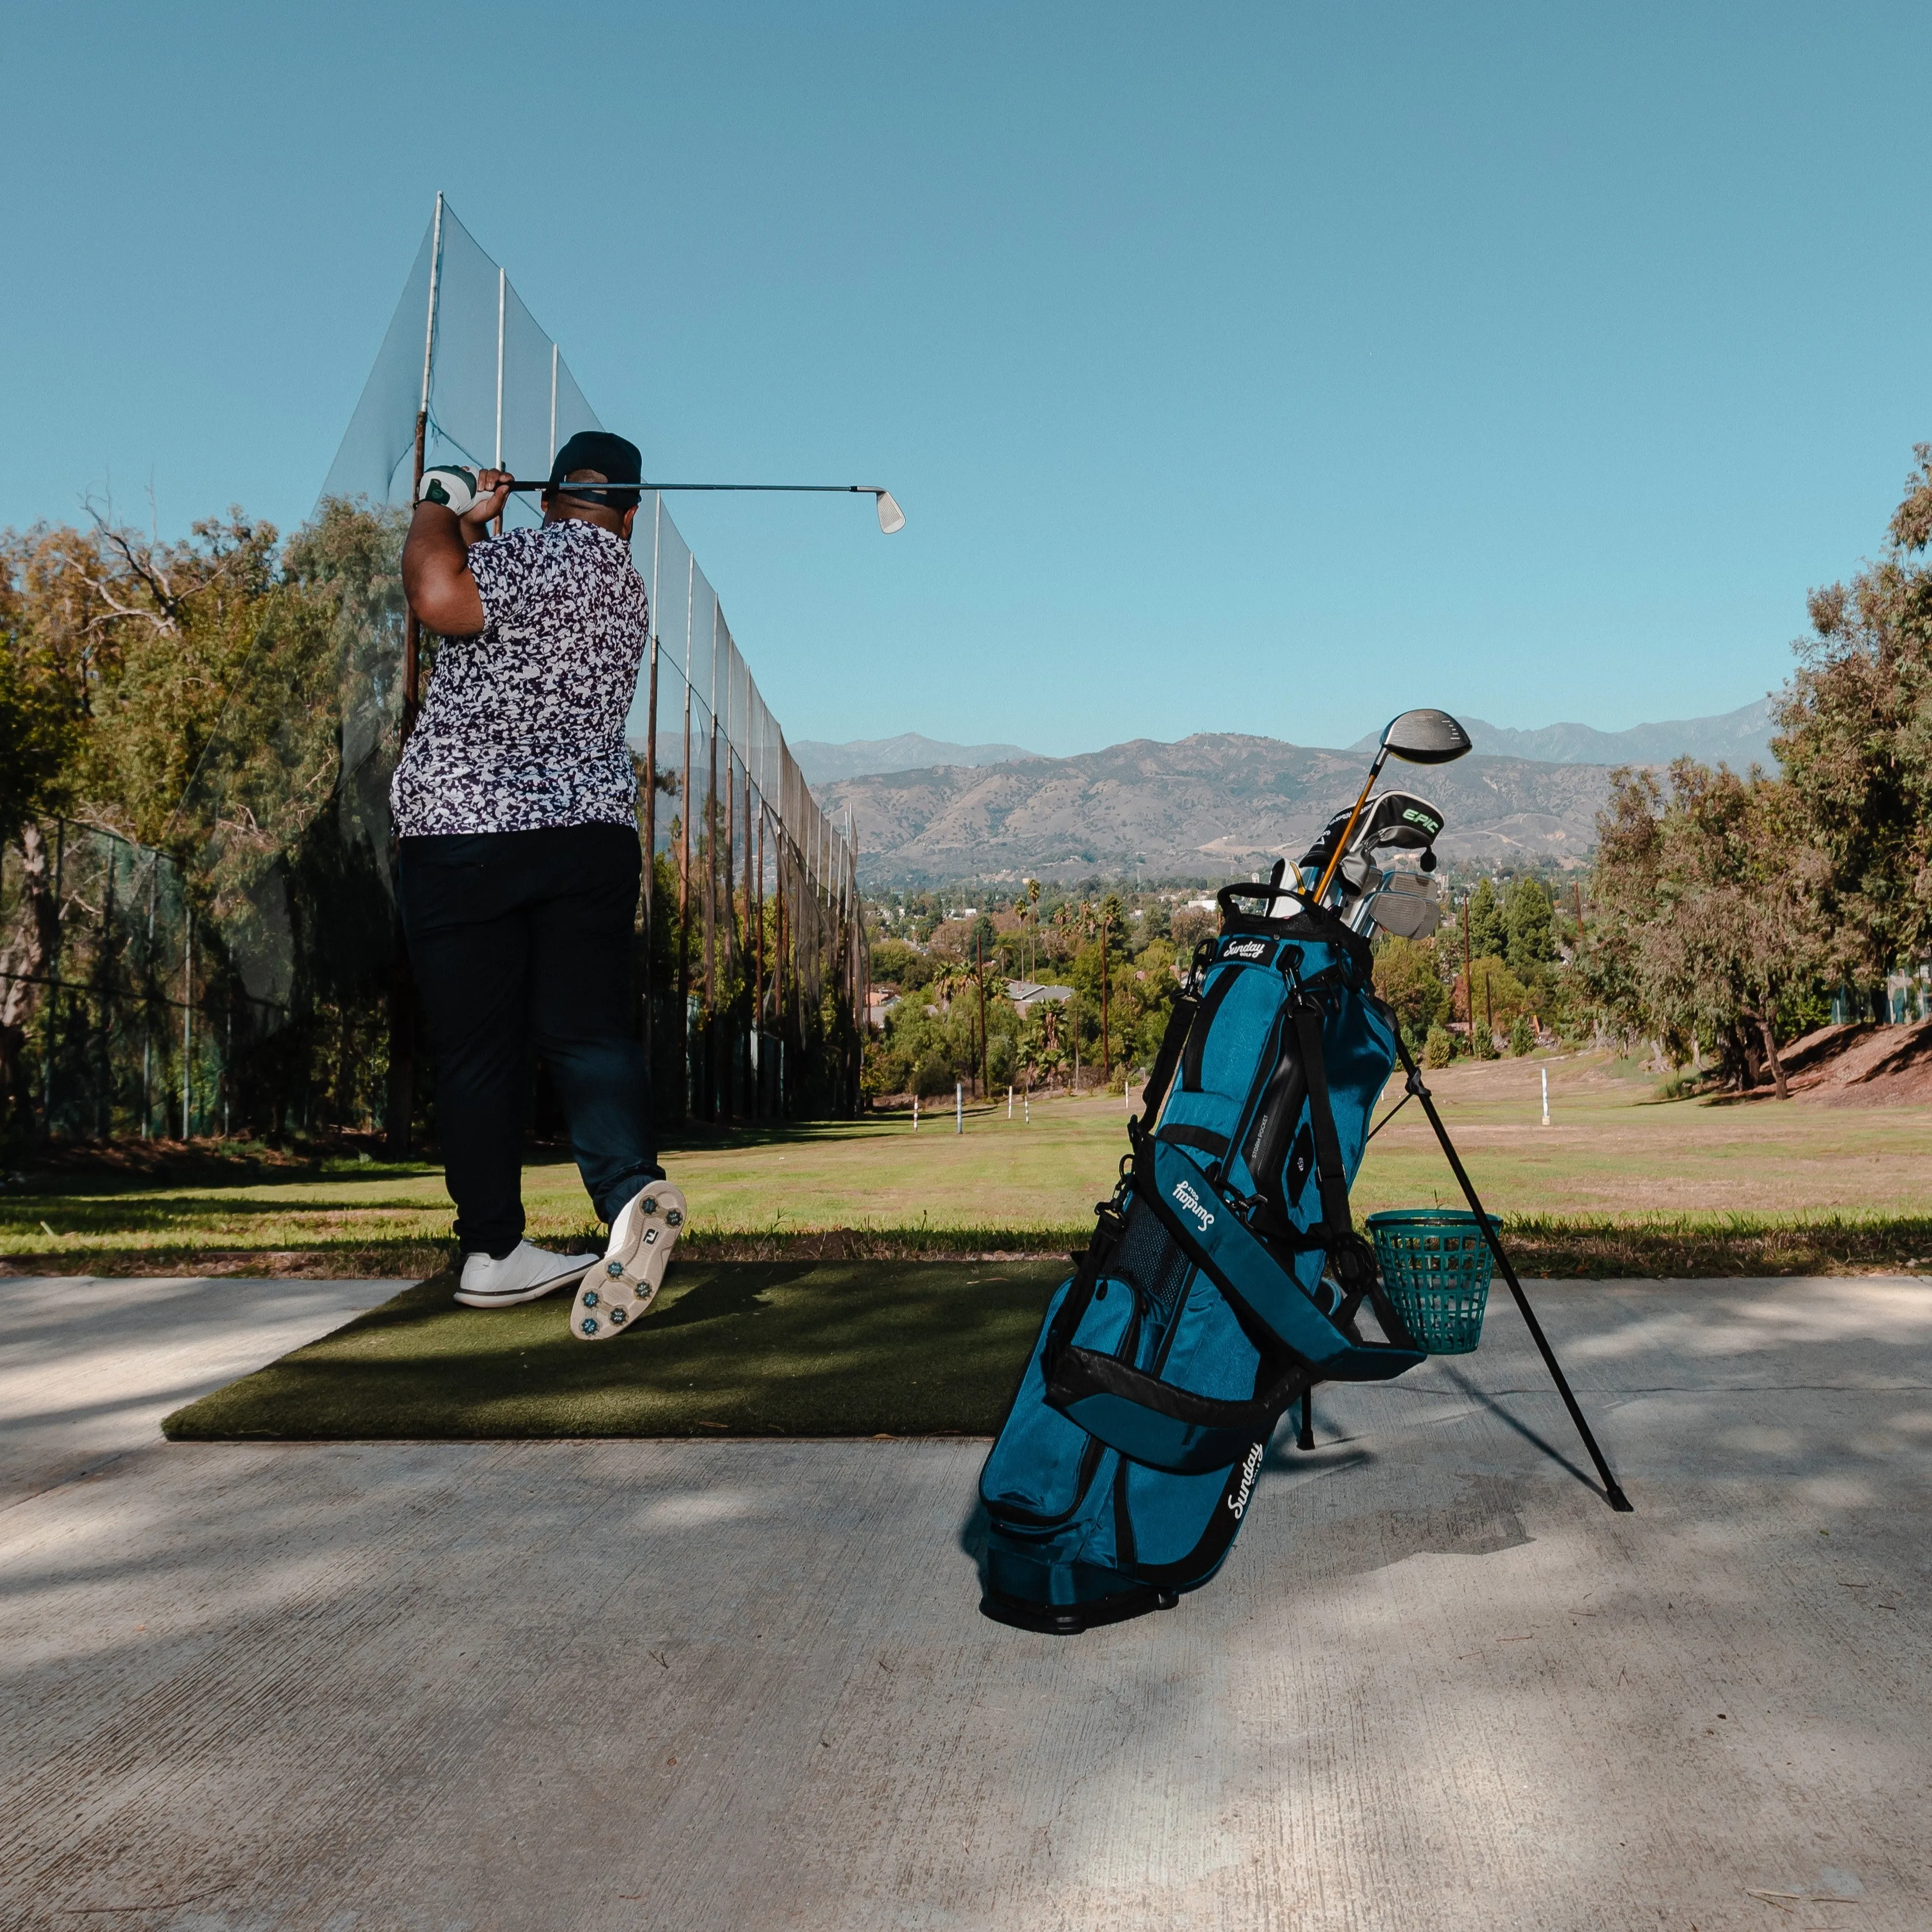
1224,1278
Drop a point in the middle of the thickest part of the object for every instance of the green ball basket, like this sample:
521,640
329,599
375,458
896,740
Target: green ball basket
1436,1266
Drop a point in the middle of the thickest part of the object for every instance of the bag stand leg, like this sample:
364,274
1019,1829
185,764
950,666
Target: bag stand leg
1613,1489
1305,1439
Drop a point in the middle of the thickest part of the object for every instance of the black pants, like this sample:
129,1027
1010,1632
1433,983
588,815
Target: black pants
519,939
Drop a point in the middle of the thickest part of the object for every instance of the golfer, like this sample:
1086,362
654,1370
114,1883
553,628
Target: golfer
515,806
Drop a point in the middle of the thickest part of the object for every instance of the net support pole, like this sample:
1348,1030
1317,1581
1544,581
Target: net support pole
188,1034
1612,1490
412,630
650,747
402,1082
684,860
502,290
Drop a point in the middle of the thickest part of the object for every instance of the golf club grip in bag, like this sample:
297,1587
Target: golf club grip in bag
1223,1279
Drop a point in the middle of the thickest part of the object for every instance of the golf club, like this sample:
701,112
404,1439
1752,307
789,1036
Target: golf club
454,485
1400,821
1403,903
1423,737
892,518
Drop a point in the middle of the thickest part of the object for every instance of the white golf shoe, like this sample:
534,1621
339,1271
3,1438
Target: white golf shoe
525,1273
620,1287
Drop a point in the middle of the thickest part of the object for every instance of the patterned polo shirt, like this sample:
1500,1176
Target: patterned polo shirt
523,727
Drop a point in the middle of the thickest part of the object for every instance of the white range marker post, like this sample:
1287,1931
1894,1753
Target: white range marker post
1026,1106
1010,1100
958,1106
915,1113
1546,1096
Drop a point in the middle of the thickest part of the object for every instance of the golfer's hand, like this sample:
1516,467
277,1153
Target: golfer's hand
492,493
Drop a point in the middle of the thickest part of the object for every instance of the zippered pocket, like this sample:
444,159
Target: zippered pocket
1040,1469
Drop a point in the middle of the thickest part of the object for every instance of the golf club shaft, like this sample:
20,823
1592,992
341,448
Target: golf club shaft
1341,844
1613,1489
781,489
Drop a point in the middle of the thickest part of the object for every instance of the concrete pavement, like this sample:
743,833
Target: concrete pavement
89,1365
744,1685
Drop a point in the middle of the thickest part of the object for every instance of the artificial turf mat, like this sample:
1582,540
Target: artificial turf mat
731,1348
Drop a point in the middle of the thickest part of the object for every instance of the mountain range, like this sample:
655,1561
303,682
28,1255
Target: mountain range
1223,804
822,763
1219,805
1739,738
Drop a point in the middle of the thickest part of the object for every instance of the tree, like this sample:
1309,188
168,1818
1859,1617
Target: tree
1040,1034
227,701
1406,978
1492,996
1855,742
1190,924
1709,922
1489,936
1530,941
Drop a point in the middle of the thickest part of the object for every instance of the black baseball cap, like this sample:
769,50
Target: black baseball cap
611,457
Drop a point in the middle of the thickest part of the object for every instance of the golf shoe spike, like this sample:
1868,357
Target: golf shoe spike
626,1281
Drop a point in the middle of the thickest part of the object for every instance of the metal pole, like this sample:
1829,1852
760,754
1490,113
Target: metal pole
412,630
502,286
187,1035
104,974
147,1011
758,967
650,749
1612,1490
50,1026
553,449
402,995
684,859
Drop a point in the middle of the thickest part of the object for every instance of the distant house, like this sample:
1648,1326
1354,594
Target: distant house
1027,994
882,1002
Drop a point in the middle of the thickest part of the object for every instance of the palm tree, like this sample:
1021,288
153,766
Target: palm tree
1098,922
949,981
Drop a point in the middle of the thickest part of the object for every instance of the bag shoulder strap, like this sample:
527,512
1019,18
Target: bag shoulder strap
1348,1253
1179,1023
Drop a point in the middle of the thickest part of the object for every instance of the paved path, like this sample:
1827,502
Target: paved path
743,1686
89,1365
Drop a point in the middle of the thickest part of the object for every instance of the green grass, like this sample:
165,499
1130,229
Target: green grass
734,1349
1621,1182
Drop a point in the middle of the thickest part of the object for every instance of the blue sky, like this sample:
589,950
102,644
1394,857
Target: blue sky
1267,369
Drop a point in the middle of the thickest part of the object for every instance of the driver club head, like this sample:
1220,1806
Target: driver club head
1426,737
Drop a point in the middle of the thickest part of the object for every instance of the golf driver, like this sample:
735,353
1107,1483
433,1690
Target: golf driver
1419,737
454,485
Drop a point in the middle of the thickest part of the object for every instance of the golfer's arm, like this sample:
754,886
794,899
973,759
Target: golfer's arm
435,574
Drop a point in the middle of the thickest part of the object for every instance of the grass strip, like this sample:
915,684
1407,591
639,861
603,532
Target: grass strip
1675,1247
759,1348
1679,1247
355,1260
